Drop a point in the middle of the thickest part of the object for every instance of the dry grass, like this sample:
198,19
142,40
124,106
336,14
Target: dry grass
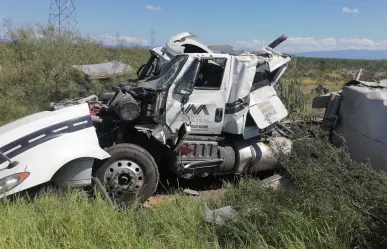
335,204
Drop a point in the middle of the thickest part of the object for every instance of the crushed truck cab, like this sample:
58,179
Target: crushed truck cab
224,94
58,146
200,113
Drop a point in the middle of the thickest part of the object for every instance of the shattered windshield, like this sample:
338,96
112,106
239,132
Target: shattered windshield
170,70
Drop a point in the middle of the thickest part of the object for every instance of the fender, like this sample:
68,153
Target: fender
44,160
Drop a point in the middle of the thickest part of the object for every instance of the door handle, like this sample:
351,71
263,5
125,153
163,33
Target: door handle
218,115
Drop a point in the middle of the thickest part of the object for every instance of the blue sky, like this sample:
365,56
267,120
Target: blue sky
310,24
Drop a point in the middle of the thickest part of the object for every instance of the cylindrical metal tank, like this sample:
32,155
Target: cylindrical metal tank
254,155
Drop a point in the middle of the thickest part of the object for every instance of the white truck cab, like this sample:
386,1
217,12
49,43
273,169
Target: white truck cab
219,93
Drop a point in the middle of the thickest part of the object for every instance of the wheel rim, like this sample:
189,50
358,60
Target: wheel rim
122,177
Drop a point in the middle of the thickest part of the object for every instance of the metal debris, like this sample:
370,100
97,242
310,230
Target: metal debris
191,192
103,190
276,181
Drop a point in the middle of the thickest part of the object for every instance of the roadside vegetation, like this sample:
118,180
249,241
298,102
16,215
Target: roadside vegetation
36,69
335,203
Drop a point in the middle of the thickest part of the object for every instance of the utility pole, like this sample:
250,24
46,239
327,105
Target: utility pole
153,37
62,16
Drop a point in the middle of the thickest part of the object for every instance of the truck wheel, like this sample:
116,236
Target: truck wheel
130,174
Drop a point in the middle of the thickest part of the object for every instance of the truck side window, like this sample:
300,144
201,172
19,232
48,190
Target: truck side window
187,81
210,74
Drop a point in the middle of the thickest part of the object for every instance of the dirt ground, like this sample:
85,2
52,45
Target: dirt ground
158,200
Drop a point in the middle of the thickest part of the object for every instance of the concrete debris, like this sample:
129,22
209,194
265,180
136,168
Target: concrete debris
219,216
104,70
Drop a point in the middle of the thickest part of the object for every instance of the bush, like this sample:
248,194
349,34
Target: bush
335,203
36,69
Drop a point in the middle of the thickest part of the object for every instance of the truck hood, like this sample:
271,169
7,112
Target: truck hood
39,121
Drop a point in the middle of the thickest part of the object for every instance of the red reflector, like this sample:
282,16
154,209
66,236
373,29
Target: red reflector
22,176
261,130
94,110
184,150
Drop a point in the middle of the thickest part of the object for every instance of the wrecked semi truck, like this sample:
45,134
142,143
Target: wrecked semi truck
203,114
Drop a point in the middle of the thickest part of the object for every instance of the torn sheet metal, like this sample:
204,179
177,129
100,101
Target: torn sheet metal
362,119
277,181
358,120
243,69
266,107
191,192
252,90
178,44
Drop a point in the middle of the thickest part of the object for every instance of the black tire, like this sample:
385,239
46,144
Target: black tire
140,157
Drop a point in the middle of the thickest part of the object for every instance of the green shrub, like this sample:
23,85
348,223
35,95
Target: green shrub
36,69
335,203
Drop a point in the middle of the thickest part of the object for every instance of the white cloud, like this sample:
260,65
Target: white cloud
251,44
151,7
348,10
112,40
303,44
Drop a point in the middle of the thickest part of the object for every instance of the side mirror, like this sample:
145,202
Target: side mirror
184,88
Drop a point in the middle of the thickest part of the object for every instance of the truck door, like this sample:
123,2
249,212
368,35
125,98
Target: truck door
206,104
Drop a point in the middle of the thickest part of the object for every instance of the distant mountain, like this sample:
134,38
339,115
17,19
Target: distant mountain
222,48
127,45
4,39
228,49
347,54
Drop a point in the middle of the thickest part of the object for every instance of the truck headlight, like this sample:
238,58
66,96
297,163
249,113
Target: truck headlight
10,182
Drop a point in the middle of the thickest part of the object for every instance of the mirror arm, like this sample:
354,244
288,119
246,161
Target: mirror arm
184,100
11,163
